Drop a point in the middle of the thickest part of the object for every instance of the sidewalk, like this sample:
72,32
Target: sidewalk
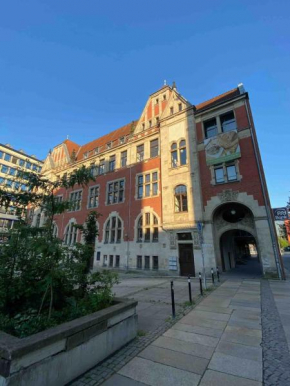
218,343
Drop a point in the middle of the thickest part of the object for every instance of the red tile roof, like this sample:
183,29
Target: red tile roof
218,99
101,142
71,146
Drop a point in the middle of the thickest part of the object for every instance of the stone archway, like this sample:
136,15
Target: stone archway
234,228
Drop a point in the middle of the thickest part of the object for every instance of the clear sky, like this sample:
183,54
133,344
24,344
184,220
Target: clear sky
84,68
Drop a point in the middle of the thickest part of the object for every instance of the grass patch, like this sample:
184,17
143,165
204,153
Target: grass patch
141,333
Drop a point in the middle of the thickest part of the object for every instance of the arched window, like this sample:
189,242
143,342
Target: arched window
70,237
178,154
147,228
37,224
174,161
180,198
182,152
113,230
54,230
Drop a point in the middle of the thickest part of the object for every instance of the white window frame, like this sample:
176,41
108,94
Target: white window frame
147,183
89,196
70,233
108,230
80,200
108,192
145,226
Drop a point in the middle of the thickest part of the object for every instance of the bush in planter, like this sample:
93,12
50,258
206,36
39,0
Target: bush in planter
42,282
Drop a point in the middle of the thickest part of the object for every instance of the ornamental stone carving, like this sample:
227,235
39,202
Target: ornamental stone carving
228,195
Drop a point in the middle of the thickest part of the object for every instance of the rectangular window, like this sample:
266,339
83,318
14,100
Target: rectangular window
115,192
219,175
4,169
171,110
124,159
21,162
34,167
140,153
14,160
139,262
102,166
58,199
109,145
112,163
1,154
12,172
86,154
98,258
111,261
210,128
75,199
94,192
154,148
9,183
7,157
147,262
180,107
150,123
93,170
97,150
122,140
231,172
117,261
147,185
155,262
228,122
105,260
28,165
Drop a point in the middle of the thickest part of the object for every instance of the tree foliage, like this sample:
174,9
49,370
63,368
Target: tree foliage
42,282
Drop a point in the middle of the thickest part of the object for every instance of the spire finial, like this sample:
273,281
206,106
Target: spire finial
165,83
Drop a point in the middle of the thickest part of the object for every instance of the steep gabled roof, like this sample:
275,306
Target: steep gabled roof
218,99
101,142
71,146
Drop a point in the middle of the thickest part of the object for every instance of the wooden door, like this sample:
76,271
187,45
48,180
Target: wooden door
186,260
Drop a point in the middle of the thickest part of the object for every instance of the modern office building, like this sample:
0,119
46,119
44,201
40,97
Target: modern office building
179,189
12,161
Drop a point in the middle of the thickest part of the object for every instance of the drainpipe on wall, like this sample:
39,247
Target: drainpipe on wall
268,210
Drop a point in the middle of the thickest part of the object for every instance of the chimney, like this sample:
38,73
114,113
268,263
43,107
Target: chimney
241,88
174,86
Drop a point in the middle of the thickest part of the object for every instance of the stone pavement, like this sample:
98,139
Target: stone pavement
238,335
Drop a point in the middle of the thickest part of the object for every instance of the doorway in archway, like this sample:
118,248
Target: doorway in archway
239,252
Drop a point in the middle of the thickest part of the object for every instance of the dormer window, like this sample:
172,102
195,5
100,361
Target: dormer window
171,110
86,155
150,123
109,145
179,106
122,140
97,150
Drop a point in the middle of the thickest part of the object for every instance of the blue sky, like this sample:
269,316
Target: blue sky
84,68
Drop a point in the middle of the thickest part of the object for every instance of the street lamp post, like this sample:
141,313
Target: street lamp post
200,228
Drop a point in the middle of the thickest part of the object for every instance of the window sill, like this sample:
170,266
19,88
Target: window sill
226,182
177,167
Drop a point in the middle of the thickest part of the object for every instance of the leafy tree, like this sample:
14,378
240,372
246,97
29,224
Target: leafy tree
42,282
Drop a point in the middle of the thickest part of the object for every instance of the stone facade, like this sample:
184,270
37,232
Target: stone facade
155,183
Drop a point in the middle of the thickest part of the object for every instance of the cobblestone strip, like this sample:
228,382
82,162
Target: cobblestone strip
276,357
104,370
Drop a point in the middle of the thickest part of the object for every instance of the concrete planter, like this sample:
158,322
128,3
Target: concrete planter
60,354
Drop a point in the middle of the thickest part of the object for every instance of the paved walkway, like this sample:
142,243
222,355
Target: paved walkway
238,335
217,343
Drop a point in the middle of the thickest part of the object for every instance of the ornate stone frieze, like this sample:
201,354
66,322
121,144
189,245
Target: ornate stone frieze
228,195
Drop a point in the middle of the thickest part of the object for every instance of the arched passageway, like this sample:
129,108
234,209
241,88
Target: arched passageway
236,244
239,252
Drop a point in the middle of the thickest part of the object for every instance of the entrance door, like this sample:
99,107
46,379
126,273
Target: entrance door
186,260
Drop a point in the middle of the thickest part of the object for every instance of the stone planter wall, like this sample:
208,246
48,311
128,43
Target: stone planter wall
60,354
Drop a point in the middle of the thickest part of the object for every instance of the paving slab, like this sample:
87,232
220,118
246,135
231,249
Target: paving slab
245,323
180,346
192,337
198,330
215,378
242,339
244,368
244,330
240,350
157,374
220,310
203,322
120,380
212,315
171,358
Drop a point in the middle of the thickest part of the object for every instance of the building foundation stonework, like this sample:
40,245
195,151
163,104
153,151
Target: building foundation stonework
179,190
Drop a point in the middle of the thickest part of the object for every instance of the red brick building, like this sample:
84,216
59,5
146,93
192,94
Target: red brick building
182,185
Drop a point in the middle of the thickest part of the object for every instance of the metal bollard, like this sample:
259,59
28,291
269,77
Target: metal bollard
200,284
212,276
218,273
189,289
172,299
